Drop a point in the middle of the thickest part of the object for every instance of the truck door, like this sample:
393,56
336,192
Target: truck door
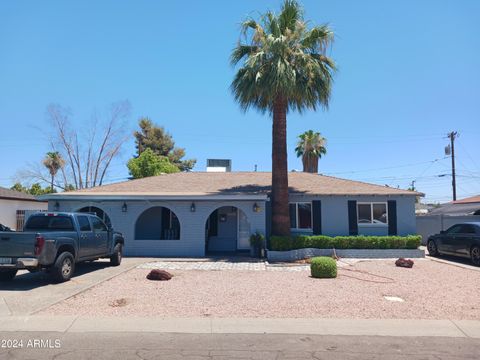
100,236
86,237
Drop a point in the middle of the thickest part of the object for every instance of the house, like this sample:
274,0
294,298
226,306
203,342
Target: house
193,213
467,206
14,204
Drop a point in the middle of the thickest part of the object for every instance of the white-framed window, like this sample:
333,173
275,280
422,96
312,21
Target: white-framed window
301,215
372,213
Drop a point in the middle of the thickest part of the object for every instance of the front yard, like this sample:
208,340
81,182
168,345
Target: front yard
430,290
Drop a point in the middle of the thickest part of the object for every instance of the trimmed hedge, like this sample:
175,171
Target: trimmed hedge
323,267
284,243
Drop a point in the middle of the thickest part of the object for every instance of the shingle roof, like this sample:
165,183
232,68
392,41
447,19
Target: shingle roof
15,195
241,183
473,199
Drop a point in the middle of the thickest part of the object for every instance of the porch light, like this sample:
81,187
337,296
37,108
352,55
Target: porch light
256,208
124,207
192,207
56,206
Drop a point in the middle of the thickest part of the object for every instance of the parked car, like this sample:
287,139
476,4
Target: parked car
4,228
460,240
56,242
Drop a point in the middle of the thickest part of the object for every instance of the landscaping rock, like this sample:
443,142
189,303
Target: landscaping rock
407,263
160,275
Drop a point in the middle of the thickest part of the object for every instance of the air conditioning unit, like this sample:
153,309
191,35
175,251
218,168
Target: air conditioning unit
219,165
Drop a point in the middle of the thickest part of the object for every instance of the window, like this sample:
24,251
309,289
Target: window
467,229
455,229
372,213
98,224
300,215
84,223
49,223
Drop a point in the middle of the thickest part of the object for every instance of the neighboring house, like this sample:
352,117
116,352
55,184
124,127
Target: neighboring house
14,204
467,206
191,213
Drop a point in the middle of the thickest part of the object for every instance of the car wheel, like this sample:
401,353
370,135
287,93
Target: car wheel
116,258
64,267
432,248
7,275
475,255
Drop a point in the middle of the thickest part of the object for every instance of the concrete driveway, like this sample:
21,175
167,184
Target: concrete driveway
29,293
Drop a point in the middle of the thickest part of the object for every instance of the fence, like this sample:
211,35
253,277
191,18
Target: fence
432,224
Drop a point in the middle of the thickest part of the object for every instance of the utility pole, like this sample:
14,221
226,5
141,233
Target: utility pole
452,135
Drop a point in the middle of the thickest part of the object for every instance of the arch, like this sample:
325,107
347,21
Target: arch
227,228
157,223
97,211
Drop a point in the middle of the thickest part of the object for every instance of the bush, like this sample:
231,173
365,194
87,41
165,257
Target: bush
257,240
323,267
284,243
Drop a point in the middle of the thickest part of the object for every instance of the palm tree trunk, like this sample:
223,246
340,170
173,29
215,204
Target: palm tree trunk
280,209
52,183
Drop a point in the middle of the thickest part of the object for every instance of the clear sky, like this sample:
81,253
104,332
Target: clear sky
408,74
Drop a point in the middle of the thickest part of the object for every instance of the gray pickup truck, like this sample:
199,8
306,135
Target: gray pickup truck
56,242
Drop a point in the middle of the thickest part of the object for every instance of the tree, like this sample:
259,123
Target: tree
150,164
53,162
311,147
161,143
35,189
285,67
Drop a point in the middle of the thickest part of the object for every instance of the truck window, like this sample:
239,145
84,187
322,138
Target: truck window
84,223
98,224
49,223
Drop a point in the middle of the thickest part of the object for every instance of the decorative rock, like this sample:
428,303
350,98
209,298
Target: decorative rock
160,275
407,263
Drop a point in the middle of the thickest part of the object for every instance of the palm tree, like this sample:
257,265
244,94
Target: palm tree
311,147
285,67
53,162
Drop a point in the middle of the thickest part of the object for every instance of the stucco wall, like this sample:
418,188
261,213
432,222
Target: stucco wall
8,210
192,224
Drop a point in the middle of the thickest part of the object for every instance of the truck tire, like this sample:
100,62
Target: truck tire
7,275
63,268
116,258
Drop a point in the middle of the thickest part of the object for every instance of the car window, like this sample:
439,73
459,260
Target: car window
455,229
467,229
84,223
49,223
98,224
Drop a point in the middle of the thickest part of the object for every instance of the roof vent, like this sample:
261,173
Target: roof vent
219,165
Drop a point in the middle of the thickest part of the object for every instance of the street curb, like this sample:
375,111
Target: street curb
447,262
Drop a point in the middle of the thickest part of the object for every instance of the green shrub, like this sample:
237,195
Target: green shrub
284,243
323,267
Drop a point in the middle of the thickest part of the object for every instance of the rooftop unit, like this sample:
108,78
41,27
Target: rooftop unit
219,165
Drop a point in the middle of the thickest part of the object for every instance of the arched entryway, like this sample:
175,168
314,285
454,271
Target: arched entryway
97,211
227,229
157,223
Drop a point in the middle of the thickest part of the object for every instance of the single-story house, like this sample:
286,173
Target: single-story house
192,213
14,204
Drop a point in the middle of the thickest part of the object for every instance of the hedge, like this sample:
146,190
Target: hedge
323,267
284,243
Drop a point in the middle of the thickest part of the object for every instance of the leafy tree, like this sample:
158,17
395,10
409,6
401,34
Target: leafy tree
285,67
311,147
150,164
161,143
35,189
53,162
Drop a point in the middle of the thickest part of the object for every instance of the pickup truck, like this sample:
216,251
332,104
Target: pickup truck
56,242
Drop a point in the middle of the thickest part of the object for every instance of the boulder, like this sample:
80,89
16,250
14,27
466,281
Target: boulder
407,263
161,275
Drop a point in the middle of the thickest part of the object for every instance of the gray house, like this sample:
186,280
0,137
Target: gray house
193,213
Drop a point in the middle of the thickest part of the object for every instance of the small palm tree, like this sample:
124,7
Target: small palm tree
53,162
285,67
311,147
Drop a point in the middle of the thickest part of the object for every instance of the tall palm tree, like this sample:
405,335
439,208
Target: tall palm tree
285,67
53,162
311,147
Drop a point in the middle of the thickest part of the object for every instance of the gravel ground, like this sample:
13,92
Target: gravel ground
430,290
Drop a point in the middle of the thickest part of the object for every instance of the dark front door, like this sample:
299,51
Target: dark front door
226,230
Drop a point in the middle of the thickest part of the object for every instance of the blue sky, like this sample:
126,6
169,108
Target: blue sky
408,74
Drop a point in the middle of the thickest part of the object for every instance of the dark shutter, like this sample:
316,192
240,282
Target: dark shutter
352,217
213,228
392,217
317,217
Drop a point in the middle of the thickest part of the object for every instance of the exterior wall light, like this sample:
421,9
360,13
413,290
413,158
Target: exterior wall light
56,207
192,207
256,208
124,207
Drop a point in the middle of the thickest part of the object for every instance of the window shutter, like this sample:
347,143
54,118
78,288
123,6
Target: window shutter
317,217
392,217
352,217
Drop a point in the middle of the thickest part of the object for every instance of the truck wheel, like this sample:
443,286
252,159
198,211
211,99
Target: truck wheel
64,267
7,275
116,258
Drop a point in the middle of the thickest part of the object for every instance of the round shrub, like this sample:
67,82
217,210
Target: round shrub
323,267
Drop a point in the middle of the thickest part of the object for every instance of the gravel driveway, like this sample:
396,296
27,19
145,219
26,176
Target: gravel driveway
430,290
